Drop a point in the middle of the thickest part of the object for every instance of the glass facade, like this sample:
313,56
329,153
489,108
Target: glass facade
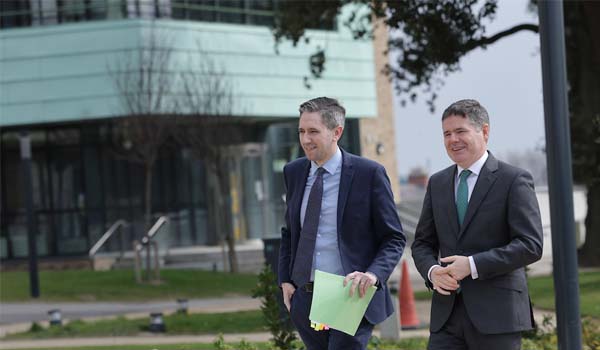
81,186
25,13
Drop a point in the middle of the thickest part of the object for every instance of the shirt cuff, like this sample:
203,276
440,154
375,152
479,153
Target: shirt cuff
429,272
474,274
377,284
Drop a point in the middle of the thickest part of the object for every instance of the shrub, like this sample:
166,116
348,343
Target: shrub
278,322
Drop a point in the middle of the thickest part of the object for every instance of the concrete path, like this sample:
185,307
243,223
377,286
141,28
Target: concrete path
11,313
144,339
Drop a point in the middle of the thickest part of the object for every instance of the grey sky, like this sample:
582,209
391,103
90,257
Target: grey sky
505,78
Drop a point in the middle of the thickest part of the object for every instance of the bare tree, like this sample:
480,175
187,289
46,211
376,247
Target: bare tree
144,82
211,134
193,107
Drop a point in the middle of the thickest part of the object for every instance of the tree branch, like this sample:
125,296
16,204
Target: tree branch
483,41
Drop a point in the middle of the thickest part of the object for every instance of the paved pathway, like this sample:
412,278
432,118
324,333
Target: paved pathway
11,313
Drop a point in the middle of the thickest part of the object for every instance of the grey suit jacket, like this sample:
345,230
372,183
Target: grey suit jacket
502,230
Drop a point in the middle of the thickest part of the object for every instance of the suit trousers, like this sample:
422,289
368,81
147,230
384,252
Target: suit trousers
459,333
326,339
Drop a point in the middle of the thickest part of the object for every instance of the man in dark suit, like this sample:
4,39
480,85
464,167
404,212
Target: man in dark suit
340,218
480,226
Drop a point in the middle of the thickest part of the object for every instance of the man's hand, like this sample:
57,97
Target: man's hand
442,281
458,266
288,290
362,280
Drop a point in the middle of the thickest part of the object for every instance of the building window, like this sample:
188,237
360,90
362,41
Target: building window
23,13
81,10
15,13
259,12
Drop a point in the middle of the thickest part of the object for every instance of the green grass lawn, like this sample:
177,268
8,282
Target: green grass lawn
120,285
404,344
195,346
541,290
176,324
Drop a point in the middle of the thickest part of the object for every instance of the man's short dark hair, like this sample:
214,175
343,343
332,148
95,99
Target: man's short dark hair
470,109
331,111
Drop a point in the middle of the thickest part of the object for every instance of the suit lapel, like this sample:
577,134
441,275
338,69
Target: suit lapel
486,179
300,183
345,182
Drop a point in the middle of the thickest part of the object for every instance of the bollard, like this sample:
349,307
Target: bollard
182,306
55,317
390,328
156,323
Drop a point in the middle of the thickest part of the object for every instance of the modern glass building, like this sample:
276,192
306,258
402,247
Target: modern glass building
59,68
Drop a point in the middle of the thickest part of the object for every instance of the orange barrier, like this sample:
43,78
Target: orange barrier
406,298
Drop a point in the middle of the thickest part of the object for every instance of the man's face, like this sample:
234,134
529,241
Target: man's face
464,143
318,142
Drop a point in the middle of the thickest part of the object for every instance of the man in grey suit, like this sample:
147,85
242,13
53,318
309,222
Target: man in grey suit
480,226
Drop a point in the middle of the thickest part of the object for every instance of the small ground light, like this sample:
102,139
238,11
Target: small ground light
182,306
156,323
55,317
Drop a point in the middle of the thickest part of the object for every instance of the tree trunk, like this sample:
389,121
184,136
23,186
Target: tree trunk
148,215
226,209
222,172
588,254
583,68
148,197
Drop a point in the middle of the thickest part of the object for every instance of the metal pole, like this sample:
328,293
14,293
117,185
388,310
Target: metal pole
558,151
156,262
138,262
25,145
148,260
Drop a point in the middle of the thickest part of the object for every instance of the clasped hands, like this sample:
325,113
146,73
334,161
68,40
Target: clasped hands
445,279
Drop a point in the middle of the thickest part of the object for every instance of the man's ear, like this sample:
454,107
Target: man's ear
337,133
486,131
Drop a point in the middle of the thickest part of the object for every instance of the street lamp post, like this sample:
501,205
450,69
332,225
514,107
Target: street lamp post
25,146
558,150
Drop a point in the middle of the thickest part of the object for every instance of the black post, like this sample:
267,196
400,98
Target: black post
558,151
25,144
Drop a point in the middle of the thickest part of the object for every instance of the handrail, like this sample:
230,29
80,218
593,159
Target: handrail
154,229
106,236
148,243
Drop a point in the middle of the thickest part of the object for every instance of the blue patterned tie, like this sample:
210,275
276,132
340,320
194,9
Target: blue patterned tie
462,196
306,245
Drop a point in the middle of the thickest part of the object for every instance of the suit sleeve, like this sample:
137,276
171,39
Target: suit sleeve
387,227
425,248
283,274
525,233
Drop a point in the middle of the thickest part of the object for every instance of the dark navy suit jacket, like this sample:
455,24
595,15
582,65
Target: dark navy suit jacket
370,235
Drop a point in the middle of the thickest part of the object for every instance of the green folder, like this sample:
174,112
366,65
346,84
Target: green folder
333,306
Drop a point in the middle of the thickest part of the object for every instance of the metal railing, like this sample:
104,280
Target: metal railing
151,246
154,229
113,228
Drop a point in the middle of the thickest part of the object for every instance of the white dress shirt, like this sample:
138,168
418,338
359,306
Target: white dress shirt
475,169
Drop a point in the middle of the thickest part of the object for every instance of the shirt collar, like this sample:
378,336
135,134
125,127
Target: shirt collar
475,167
331,165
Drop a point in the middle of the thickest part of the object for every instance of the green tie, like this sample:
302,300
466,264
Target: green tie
462,195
